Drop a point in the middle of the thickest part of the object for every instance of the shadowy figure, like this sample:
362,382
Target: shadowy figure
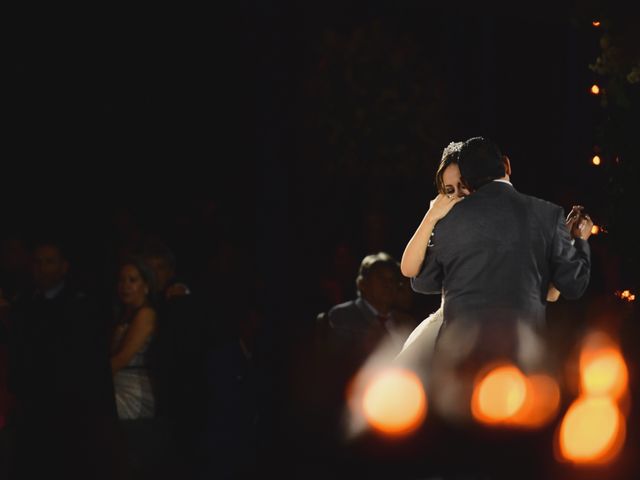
178,357
346,337
240,402
59,372
161,260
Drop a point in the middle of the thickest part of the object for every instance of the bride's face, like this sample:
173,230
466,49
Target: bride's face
452,183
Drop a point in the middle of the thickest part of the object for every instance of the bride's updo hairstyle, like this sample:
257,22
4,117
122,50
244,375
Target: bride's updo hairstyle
449,155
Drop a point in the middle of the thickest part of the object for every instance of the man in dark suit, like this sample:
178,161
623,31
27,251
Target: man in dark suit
60,374
359,325
354,330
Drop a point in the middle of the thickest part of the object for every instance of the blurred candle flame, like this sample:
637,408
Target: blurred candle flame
394,402
499,395
595,89
603,370
506,397
592,431
541,403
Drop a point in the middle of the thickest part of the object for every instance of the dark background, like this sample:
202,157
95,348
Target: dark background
287,130
291,121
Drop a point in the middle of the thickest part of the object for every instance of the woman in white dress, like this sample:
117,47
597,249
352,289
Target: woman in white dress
450,191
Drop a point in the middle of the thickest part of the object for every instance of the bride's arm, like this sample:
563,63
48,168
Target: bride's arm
416,249
553,293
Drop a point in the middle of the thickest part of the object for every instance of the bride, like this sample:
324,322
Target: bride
450,192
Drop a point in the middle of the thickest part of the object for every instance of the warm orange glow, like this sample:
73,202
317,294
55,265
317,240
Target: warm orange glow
541,403
592,431
625,295
499,395
394,402
595,23
595,89
596,160
604,373
595,230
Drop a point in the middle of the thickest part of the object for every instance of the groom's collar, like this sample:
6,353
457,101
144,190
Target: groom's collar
503,181
497,185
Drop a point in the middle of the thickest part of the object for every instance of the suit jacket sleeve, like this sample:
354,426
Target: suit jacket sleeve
570,264
429,280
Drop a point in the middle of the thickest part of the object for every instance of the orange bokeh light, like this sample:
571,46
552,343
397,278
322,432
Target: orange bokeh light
541,404
625,295
592,431
595,230
595,23
603,371
499,395
595,89
596,160
394,402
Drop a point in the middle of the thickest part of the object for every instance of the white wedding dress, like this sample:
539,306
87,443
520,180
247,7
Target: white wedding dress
422,339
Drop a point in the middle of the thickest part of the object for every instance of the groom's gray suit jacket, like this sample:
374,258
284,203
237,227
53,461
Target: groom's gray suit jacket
495,254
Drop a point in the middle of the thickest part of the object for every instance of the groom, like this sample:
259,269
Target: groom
494,256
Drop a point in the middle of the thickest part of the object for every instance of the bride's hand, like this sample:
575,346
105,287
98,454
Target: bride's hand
579,223
441,205
583,226
573,216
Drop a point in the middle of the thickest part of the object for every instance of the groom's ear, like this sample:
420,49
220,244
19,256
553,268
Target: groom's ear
507,165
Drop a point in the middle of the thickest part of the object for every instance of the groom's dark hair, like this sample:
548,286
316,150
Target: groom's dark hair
480,161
